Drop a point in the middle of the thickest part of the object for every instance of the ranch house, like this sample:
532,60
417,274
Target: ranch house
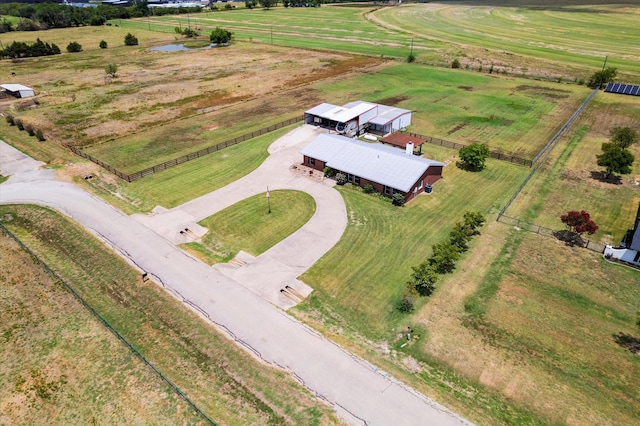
629,249
356,118
389,170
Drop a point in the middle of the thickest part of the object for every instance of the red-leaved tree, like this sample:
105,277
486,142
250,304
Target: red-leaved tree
579,222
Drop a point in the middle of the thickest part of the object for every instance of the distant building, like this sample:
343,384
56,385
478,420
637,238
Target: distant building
18,90
356,118
629,249
389,170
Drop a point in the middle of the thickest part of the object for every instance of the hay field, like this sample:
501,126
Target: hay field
569,40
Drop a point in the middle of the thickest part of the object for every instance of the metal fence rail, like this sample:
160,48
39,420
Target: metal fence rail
493,154
108,325
548,232
183,159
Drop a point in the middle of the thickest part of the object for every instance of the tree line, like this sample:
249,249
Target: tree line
42,16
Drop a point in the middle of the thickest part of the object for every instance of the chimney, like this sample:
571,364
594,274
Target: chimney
409,149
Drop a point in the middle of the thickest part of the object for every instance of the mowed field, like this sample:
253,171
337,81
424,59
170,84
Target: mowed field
225,381
570,40
539,38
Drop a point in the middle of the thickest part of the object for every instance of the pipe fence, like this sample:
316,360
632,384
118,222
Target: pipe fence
132,177
455,145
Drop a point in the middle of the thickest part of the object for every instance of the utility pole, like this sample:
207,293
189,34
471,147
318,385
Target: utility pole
605,62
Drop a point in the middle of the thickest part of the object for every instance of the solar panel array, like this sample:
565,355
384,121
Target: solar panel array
623,89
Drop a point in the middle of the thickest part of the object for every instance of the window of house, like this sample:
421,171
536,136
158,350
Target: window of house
388,190
312,161
356,180
420,184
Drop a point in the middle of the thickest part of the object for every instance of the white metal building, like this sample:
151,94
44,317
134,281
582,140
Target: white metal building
358,117
18,90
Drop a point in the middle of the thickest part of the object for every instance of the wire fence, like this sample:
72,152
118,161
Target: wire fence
183,159
455,145
107,324
548,232
544,152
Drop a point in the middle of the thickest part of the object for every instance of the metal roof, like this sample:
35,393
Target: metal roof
15,87
387,114
375,162
341,114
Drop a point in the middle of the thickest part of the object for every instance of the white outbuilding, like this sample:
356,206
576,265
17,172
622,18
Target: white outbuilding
18,90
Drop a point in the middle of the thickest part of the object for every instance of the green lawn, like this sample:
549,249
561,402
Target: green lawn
220,377
250,226
361,278
187,181
516,116
576,35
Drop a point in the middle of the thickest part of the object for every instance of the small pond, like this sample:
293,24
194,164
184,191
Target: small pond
179,47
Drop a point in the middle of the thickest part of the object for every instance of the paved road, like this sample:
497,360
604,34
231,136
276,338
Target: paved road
359,392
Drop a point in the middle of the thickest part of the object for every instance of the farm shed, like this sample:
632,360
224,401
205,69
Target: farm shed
629,249
18,90
388,169
358,117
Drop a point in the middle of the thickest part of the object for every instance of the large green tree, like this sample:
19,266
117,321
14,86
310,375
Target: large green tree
444,257
615,160
473,157
267,4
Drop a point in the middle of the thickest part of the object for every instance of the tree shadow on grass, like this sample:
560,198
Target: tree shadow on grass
628,342
602,177
570,238
468,167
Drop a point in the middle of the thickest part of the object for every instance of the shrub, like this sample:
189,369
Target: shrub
341,178
130,40
220,36
411,58
112,70
29,129
423,279
74,47
408,299
491,69
228,6
455,63
19,124
397,199
103,44
480,68
329,172
10,119
368,189
40,136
